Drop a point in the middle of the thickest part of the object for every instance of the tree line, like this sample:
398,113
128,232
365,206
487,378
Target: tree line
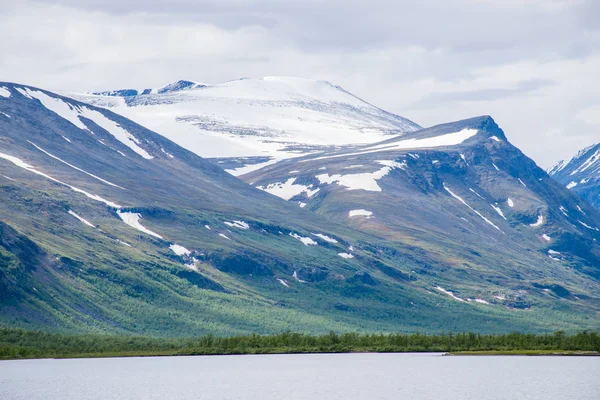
18,343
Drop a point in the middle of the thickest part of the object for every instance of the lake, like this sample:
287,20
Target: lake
315,376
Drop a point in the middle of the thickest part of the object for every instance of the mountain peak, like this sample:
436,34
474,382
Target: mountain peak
484,125
272,116
581,173
171,87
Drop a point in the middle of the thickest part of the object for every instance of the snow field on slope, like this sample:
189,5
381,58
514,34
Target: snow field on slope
251,117
449,139
288,189
72,113
133,220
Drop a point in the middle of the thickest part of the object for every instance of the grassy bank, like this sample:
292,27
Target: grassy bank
18,344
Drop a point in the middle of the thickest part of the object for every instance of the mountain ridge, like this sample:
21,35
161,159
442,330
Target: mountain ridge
581,173
156,240
270,117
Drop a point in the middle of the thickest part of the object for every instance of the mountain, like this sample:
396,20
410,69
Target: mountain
108,226
252,122
581,174
462,194
172,87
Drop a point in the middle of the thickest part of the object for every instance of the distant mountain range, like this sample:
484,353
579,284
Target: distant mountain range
581,174
249,122
360,220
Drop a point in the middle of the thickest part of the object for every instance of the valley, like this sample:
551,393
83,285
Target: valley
110,227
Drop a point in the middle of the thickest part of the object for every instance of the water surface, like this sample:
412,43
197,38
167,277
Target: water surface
295,377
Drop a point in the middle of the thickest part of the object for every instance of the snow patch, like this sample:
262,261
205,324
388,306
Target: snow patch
496,167
449,293
495,138
522,183
133,220
288,189
346,255
72,113
123,243
250,168
588,163
305,240
354,166
571,185
546,238
192,264
283,282
511,203
224,236
167,153
4,92
539,221
363,181
449,139
24,93
179,250
470,208
498,210
82,220
295,276
73,166
360,213
478,195
325,237
237,224
586,225
21,164
393,164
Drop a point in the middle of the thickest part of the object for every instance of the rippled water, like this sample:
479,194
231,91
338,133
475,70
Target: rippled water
318,376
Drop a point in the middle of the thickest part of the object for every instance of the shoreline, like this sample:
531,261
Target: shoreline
542,353
21,344
529,353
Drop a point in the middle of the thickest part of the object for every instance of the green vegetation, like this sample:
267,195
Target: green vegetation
526,353
60,275
16,343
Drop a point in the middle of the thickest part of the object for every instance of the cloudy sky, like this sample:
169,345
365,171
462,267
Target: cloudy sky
534,65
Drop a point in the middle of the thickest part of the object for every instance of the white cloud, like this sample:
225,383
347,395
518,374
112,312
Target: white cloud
531,65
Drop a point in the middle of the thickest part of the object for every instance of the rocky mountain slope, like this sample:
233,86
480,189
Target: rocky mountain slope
108,226
463,195
251,122
581,174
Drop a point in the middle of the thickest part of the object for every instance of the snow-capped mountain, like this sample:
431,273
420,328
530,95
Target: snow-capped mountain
108,226
172,87
581,173
460,191
257,120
